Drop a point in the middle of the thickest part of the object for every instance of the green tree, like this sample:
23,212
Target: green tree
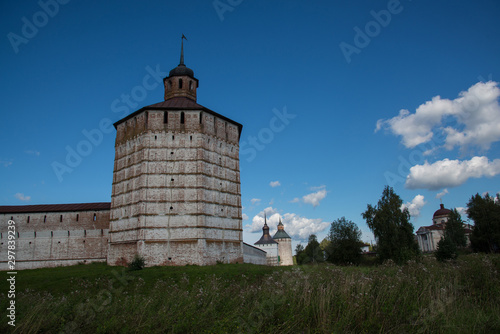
345,242
324,244
485,212
453,239
313,252
446,249
455,230
300,255
391,227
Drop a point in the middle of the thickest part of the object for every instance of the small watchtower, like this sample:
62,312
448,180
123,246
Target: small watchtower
269,245
284,245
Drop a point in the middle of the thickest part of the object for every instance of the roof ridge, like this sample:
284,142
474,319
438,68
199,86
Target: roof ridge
33,208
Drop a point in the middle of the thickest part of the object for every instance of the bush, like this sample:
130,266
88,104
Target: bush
137,263
446,250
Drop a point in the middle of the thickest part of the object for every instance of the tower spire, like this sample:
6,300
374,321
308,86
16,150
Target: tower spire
182,49
181,81
280,226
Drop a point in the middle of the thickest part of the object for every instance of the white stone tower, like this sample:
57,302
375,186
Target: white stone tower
284,246
267,244
176,196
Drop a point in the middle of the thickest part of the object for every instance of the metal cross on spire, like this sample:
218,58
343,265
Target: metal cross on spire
182,49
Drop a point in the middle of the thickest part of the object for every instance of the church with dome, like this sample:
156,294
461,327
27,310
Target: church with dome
429,236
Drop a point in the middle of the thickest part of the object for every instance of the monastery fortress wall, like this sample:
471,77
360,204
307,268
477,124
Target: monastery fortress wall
176,195
49,239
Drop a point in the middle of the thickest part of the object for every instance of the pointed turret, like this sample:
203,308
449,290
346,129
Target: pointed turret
266,237
281,234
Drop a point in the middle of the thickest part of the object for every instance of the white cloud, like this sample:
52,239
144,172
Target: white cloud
295,200
21,197
296,226
275,184
450,173
318,187
462,211
476,113
6,163
367,236
316,197
302,227
32,152
255,201
442,193
415,205
272,217
244,216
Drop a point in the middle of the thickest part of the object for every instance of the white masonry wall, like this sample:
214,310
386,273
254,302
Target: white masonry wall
50,239
176,195
272,253
285,251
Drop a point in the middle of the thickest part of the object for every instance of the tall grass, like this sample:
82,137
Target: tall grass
423,296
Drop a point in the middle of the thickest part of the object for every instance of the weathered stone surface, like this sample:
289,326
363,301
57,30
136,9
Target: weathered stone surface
50,239
254,255
176,189
285,251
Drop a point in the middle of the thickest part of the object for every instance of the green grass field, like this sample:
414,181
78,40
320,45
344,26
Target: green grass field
421,297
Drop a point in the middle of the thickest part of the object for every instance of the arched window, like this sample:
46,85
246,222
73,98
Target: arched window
182,116
190,85
201,117
180,83
165,117
169,85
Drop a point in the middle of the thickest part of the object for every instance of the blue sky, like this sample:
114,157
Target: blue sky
337,99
